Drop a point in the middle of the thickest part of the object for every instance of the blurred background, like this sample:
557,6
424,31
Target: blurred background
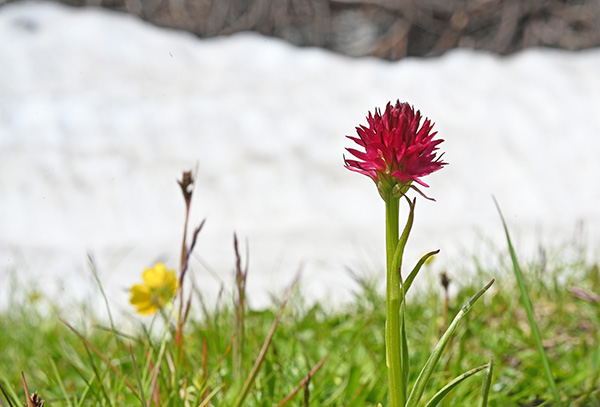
103,104
389,29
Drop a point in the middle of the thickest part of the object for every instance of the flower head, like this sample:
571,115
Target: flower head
398,149
159,287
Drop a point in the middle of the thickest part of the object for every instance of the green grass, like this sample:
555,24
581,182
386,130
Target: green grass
68,371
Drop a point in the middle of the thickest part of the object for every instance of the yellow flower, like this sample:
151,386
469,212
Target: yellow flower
160,286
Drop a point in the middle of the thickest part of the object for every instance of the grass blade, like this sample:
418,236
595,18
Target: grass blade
99,379
425,375
156,366
88,387
302,383
211,395
435,400
529,310
137,374
487,384
6,397
241,275
106,360
261,357
411,277
595,376
97,278
61,385
263,352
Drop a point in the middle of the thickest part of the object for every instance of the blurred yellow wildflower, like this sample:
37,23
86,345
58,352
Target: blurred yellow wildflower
159,287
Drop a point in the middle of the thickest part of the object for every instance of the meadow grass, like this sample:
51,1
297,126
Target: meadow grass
316,355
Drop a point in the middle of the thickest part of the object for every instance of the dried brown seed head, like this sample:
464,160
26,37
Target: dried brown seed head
445,280
187,185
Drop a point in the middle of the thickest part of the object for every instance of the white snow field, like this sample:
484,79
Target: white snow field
101,112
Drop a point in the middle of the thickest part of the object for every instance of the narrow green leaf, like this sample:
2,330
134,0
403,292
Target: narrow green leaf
88,388
435,400
487,384
399,252
5,396
88,346
261,357
529,310
594,375
304,382
212,394
425,375
404,355
59,380
263,352
413,274
99,378
99,282
159,358
137,375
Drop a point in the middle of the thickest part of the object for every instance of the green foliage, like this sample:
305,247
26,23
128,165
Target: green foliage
68,371
529,310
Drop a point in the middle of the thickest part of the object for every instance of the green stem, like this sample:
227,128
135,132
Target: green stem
392,327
